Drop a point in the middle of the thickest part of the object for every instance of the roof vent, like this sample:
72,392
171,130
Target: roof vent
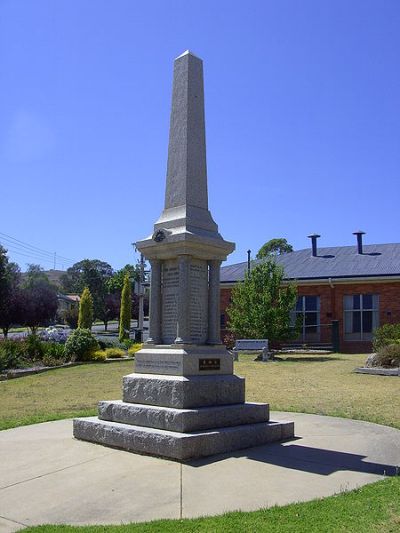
359,234
314,237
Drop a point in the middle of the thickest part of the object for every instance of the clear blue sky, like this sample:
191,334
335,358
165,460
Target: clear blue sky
302,118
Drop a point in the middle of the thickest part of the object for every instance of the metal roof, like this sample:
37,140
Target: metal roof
334,262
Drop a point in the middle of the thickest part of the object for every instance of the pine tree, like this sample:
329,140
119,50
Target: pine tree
85,319
126,309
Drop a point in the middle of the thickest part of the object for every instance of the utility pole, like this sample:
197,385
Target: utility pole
248,260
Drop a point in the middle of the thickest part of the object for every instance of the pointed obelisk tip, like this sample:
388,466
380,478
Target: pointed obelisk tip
188,53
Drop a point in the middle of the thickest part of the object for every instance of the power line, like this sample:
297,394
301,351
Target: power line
15,247
32,247
33,252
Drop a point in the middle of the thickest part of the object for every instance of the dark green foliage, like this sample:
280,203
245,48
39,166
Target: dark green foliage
80,345
111,343
274,247
9,289
30,351
38,299
116,283
71,316
126,310
261,304
33,348
10,355
85,317
385,335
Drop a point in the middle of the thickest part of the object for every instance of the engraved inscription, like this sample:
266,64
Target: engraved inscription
198,301
210,364
170,287
157,365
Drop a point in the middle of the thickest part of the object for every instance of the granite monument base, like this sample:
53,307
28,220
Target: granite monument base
182,417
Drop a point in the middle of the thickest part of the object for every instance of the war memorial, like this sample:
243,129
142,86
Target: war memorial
183,400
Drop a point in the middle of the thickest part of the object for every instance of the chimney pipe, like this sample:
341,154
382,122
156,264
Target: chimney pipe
314,237
359,234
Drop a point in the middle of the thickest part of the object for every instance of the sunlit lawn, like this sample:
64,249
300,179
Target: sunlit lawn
311,384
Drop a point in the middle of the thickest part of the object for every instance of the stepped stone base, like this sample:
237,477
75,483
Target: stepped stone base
180,446
182,417
184,420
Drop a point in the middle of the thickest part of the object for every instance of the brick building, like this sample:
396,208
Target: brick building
359,286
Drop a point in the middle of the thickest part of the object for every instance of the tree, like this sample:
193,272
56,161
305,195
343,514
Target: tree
274,247
95,275
38,299
111,308
116,283
126,310
261,305
9,292
85,319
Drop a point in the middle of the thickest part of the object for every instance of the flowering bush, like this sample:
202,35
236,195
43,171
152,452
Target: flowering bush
81,345
53,334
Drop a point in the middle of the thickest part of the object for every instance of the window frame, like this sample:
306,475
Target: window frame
364,336
303,312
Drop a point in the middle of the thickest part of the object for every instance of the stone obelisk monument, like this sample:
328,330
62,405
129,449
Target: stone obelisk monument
183,401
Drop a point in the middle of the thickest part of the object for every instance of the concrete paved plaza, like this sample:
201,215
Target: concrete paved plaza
46,476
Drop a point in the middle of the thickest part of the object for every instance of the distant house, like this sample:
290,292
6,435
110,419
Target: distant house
67,302
359,286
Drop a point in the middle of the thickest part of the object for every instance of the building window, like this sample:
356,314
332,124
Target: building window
307,312
222,321
361,316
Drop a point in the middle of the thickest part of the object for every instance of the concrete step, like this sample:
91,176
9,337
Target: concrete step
183,420
180,446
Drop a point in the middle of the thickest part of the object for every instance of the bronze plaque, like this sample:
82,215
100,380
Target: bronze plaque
211,363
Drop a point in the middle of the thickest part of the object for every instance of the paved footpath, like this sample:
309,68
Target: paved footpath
46,476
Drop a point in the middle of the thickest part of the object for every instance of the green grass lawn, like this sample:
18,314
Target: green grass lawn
311,384
304,383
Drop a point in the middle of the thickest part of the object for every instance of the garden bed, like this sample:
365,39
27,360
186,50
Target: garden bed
21,372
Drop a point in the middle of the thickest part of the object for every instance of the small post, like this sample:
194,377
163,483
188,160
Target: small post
335,336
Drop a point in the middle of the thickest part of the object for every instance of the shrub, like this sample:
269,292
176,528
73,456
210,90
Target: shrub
11,355
80,345
134,348
54,354
385,335
389,356
127,343
98,355
114,353
110,343
32,348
